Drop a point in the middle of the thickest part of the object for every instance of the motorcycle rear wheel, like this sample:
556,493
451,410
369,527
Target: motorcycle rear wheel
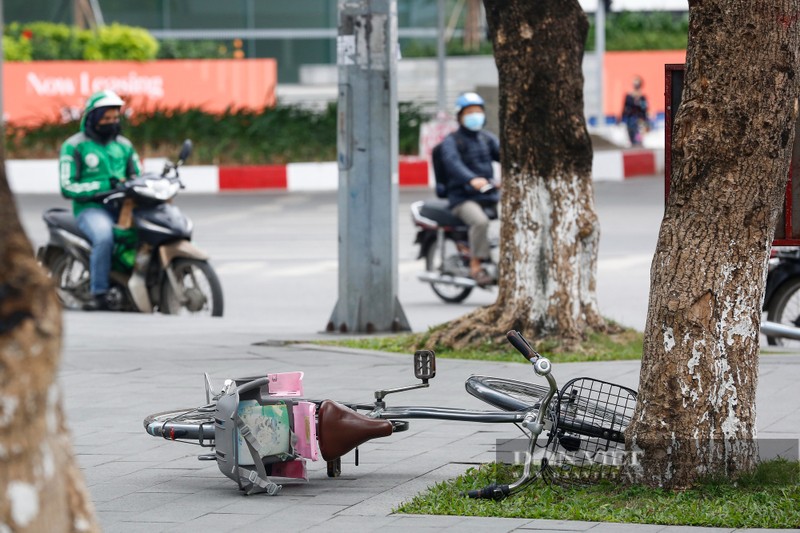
785,309
72,281
202,292
433,263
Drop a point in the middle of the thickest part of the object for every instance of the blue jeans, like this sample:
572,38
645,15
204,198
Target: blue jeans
98,225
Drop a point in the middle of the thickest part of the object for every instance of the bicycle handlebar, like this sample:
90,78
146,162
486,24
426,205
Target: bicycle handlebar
491,492
518,341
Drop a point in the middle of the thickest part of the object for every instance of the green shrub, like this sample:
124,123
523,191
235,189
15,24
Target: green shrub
180,49
48,41
121,42
16,49
52,41
628,30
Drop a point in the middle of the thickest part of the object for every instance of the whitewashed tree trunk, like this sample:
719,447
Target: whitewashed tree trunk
732,143
41,485
550,232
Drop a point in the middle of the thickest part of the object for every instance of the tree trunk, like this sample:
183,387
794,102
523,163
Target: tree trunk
41,485
732,143
550,232
472,26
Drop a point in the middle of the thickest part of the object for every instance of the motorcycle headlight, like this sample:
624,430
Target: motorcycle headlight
159,189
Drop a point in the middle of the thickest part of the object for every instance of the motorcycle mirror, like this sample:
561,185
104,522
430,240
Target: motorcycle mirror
186,150
424,365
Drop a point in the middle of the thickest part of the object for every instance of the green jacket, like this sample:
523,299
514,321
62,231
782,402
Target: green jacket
86,167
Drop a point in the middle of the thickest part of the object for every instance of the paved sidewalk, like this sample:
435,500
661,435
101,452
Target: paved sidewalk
115,372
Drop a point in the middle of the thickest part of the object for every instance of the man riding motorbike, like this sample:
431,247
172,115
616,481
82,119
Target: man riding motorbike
92,163
467,156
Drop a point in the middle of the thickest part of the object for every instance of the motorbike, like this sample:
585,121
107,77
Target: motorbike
154,264
444,244
782,292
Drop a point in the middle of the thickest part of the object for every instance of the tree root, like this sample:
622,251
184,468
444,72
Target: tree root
489,325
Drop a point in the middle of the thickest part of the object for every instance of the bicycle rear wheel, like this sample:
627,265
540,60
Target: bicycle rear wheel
506,394
183,424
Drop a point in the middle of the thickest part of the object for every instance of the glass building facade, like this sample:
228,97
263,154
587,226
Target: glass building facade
295,32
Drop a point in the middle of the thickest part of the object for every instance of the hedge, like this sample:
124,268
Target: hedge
273,136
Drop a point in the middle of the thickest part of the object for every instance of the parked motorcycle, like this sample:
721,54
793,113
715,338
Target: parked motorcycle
444,244
782,293
154,264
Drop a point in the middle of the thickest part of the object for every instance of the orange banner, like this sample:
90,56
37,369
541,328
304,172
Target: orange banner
45,91
621,67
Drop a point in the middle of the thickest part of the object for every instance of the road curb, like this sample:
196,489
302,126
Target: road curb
41,175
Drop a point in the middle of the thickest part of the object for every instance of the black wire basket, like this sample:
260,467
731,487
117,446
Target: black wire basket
587,440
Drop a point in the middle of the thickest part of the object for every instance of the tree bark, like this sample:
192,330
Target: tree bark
41,485
550,232
732,143
472,26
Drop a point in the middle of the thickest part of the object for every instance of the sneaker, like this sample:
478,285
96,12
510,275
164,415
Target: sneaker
98,303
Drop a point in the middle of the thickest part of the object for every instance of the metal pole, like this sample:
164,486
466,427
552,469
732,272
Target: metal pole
251,25
166,21
600,52
366,48
441,55
774,329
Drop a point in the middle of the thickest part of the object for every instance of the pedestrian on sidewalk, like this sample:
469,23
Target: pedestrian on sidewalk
634,113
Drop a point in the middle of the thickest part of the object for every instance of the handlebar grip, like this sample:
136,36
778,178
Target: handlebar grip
490,492
522,347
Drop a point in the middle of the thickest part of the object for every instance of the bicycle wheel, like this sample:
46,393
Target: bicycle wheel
785,309
183,424
506,394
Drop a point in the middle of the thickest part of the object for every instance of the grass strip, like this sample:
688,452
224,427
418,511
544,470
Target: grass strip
626,344
767,498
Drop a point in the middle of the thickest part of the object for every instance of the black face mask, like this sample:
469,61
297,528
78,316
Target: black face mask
107,132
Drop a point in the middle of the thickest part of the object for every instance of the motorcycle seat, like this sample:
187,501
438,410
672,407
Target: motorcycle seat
63,219
439,212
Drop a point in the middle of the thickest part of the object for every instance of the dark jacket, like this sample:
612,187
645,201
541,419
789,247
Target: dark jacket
467,154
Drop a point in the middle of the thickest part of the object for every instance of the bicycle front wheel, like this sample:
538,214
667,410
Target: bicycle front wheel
506,394
183,424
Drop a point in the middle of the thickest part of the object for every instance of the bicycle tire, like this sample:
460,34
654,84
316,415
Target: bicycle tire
506,394
183,424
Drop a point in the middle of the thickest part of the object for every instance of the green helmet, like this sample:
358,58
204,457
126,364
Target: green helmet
107,98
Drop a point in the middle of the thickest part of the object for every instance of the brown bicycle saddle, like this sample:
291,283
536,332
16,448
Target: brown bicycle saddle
341,429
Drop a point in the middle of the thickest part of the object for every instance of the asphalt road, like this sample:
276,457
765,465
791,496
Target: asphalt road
276,254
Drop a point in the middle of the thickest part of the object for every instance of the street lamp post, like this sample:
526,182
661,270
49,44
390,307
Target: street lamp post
367,147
